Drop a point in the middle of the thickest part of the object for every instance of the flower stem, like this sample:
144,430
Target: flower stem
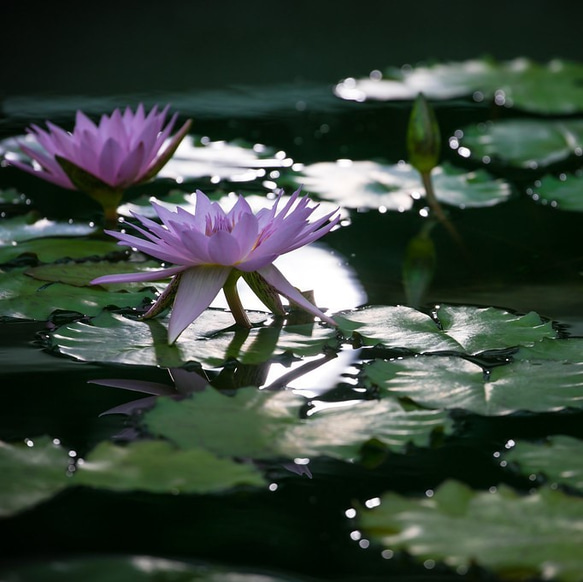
234,301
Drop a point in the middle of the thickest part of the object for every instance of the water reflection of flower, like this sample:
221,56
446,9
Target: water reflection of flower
122,150
213,249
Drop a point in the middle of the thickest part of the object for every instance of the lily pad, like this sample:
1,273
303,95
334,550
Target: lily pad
523,143
517,536
30,226
452,382
11,196
158,467
52,249
561,350
564,192
559,459
267,425
462,329
30,473
366,184
211,340
551,88
140,568
28,298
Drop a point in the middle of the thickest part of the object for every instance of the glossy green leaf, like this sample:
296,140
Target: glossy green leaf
554,87
561,350
52,249
24,297
11,196
455,328
453,382
523,143
130,568
30,472
210,340
564,192
366,184
158,467
517,536
267,425
559,459
30,226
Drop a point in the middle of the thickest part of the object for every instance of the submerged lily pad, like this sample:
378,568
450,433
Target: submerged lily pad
52,249
559,459
552,88
366,184
30,226
211,340
452,382
267,425
28,298
515,535
523,143
462,329
564,192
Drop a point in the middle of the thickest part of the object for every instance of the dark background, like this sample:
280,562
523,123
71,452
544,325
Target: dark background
106,47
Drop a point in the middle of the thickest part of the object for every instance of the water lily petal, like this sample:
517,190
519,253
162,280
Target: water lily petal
274,277
198,287
223,248
138,277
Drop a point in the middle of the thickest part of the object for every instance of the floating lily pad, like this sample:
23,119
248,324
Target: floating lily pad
210,340
30,226
267,425
28,298
455,328
561,350
140,568
517,536
53,249
30,473
366,184
564,192
452,382
158,467
523,143
559,459
552,88
13,196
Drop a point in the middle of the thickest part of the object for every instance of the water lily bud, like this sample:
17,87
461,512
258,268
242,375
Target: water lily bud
423,137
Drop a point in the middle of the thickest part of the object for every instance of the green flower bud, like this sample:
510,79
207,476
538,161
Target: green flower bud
423,137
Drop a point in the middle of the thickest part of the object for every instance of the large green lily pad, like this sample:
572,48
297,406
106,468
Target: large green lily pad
523,143
551,88
517,536
267,425
211,340
367,184
452,382
24,297
52,249
30,226
559,459
454,328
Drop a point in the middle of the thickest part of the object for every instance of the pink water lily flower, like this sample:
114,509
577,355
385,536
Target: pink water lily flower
212,248
103,159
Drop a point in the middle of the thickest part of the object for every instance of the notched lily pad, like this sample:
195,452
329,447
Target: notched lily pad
539,534
523,143
211,340
52,249
31,226
552,88
24,297
464,329
367,184
267,425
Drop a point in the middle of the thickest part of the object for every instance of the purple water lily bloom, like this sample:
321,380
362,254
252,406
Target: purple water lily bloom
212,248
122,150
